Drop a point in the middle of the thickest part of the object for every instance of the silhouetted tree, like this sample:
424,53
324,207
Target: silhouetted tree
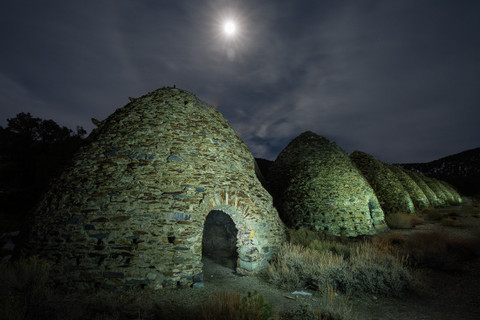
32,151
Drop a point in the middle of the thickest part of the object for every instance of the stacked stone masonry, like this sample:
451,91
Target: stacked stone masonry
418,197
130,211
316,186
431,196
455,197
391,194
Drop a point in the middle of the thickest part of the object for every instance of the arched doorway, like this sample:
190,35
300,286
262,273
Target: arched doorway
219,244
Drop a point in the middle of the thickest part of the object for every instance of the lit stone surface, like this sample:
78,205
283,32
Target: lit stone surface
446,194
431,196
130,211
389,190
436,187
455,197
418,197
315,185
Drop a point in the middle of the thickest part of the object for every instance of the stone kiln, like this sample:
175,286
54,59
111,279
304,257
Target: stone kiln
455,197
390,192
446,194
131,209
431,196
316,186
418,197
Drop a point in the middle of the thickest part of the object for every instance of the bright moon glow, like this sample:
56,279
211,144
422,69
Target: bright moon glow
229,28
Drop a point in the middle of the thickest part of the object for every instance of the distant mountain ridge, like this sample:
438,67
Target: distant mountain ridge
462,170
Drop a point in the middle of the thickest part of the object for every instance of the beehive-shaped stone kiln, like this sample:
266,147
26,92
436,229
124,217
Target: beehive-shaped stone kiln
431,196
315,185
436,187
444,191
455,197
391,194
418,197
131,210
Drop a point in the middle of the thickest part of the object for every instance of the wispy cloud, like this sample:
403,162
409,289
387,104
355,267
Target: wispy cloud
397,79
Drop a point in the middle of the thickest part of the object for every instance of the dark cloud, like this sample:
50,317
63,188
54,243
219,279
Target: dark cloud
396,79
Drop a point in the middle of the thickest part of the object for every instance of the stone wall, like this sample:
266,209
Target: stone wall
130,211
418,197
438,189
431,196
456,198
390,192
445,194
315,185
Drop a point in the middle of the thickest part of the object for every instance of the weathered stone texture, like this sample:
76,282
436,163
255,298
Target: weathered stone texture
455,197
390,192
439,193
131,209
436,187
452,196
431,196
418,197
315,185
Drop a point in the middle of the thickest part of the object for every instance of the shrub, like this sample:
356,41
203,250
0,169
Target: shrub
299,267
448,222
23,288
402,220
229,305
318,242
366,269
471,210
378,271
432,215
332,307
453,213
438,251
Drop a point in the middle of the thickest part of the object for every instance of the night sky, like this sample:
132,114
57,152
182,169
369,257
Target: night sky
397,79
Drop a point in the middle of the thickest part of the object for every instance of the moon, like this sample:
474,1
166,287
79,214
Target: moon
229,28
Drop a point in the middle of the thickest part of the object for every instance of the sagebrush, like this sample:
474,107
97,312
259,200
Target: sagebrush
365,269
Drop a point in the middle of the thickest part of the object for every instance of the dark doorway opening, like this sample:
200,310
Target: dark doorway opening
219,242
374,210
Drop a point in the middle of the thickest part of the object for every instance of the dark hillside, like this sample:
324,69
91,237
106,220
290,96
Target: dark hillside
462,170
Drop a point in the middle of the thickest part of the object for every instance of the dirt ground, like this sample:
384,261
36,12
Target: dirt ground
438,295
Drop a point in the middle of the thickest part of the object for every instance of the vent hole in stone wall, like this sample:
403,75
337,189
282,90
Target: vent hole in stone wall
219,244
373,209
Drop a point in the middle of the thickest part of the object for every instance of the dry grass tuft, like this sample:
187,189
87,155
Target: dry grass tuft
298,267
432,214
448,222
472,210
453,213
230,305
318,242
439,251
367,268
402,220
333,306
24,289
